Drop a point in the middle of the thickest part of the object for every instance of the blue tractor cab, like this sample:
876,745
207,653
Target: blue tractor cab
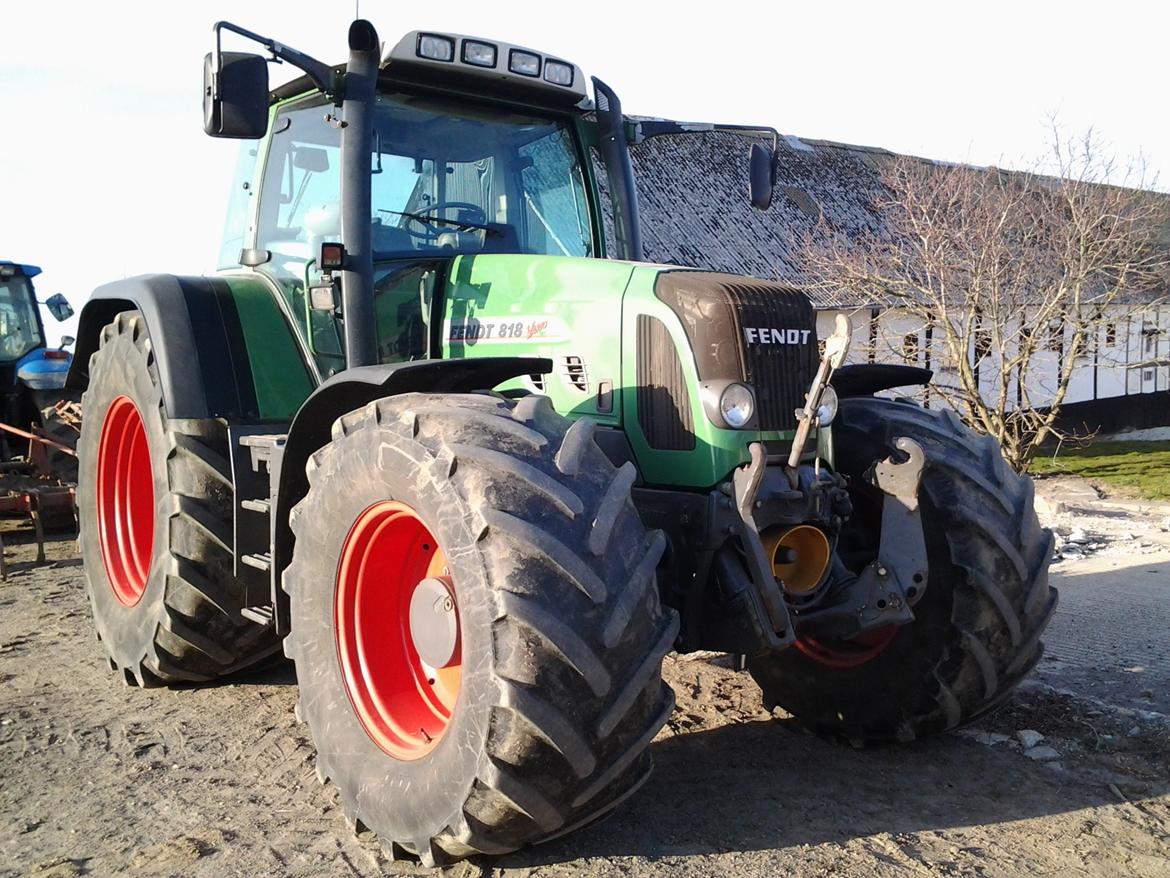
32,375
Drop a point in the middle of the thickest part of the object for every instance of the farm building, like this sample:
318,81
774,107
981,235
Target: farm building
694,211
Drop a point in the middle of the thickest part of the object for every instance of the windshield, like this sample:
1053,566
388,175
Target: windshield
20,330
446,179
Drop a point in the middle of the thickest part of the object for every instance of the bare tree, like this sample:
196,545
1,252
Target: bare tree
1014,274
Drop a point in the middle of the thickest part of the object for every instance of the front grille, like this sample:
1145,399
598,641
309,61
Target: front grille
780,373
664,404
748,330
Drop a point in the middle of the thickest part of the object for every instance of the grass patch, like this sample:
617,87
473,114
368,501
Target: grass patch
1137,468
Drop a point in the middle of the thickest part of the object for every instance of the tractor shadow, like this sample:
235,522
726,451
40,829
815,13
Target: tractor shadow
20,548
764,785
276,670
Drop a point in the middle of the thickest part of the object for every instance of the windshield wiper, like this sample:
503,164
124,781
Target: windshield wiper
438,220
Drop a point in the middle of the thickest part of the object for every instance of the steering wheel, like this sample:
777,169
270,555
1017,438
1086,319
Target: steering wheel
431,232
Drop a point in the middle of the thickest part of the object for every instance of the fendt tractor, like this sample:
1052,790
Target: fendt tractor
477,470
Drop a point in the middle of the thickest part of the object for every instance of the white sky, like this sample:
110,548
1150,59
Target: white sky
105,170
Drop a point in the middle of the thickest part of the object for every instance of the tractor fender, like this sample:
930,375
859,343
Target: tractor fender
196,339
866,379
311,428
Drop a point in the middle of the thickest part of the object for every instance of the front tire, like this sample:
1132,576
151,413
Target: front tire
553,690
154,503
977,628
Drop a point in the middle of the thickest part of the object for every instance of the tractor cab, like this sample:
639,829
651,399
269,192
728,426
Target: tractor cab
31,374
448,178
477,148
21,329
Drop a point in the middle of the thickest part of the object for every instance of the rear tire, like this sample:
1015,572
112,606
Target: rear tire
977,628
165,601
560,628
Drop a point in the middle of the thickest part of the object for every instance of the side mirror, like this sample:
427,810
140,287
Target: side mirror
66,341
59,307
761,174
235,100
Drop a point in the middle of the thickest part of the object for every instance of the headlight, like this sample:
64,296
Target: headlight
436,48
827,410
479,54
736,405
524,63
558,73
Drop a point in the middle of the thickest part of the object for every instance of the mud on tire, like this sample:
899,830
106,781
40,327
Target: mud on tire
977,629
186,625
561,628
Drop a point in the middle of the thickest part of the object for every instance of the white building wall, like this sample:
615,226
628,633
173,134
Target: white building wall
1163,348
1112,353
1081,382
859,343
1104,370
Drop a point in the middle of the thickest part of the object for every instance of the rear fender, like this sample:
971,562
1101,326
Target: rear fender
201,343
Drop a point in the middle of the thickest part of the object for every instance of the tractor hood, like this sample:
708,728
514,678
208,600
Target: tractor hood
647,348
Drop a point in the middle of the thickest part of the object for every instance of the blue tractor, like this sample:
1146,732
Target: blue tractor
32,375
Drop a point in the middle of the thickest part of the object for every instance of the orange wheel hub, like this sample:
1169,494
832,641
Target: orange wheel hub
391,570
125,501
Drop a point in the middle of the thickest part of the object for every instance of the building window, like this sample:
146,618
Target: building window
1111,334
982,344
910,348
1056,335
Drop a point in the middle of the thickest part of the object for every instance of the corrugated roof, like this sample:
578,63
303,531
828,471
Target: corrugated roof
692,195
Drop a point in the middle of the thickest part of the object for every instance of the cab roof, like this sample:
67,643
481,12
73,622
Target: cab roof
406,63
7,269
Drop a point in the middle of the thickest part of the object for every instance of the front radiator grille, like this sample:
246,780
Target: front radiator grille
748,330
664,404
779,372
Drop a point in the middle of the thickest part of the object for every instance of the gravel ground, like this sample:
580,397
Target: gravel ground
100,779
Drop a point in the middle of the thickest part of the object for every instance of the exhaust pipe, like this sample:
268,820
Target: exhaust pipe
357,139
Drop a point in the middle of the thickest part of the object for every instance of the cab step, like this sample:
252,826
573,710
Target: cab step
261,561
259,615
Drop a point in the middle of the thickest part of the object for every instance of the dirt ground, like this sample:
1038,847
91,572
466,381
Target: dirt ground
100,779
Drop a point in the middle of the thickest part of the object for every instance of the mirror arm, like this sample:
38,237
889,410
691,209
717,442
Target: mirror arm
645,129
322,75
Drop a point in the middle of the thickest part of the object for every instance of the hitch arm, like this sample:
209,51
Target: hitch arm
746,485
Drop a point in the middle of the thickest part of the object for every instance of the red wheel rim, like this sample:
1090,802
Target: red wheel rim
403,704
852,653
125,501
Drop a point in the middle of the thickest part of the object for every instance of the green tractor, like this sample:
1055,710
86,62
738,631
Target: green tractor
477,471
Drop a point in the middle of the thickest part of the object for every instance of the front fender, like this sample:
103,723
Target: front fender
312,427
866,379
